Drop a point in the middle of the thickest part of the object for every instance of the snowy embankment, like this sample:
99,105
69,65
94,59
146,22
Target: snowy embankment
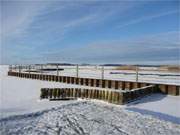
85,118
23,113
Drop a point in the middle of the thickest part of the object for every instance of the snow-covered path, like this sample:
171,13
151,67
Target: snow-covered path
87,118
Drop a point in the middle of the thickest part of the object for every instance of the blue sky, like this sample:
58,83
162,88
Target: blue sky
127,32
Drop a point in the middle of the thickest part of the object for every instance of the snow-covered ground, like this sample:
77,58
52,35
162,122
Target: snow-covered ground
165,107
87,118
19,96
23,113
128,75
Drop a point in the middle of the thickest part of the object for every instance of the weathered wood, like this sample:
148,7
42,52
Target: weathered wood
164,88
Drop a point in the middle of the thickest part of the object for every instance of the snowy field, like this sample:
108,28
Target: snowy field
23,113
20,95
128,75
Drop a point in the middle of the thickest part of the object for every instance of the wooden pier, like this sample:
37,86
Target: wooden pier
101,83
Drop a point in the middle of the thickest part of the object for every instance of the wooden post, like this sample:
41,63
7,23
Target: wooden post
57,70
102,72
136,73
77,70
29,69
10,68
41,69
15,68
19,69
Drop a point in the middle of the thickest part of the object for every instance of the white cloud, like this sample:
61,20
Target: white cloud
162,48
17,16
45,23
147,18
